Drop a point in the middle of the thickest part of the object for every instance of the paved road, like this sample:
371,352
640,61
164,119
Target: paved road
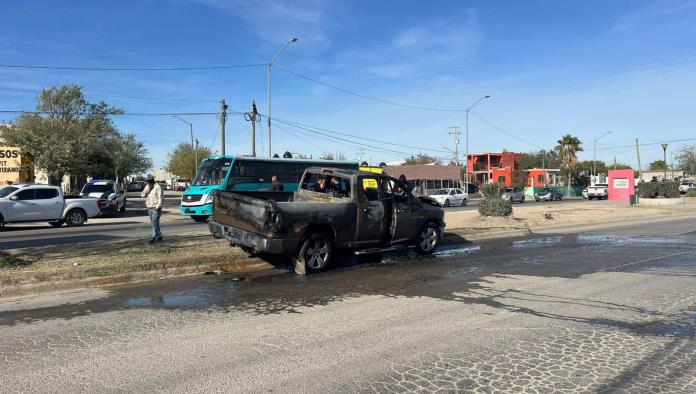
559,313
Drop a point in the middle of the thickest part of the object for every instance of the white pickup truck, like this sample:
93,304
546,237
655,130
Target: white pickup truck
598,191
43,203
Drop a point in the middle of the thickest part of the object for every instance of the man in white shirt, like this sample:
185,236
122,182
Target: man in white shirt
153,202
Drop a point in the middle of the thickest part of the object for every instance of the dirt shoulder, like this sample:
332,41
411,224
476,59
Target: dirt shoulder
34,270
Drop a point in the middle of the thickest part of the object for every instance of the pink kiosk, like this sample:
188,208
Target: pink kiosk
622,185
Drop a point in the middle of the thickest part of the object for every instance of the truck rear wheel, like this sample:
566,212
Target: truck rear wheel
75,218
199,218
315,253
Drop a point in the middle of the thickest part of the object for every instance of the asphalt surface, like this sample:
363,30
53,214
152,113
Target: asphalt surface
609,312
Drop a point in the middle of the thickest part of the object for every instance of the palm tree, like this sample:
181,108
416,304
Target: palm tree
568,146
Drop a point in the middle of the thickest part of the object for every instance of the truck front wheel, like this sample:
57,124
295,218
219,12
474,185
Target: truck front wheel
315,254
428,239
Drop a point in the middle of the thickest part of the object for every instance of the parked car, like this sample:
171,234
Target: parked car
684,187
450,196
513,194
599,191
548,194
43,203
110,191
182,184
356,211
136,186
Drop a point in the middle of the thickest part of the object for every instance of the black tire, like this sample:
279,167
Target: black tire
522,200
57,223
315,253
560,198
465,202
199,218
447,203
123,208
428,239
536,199
75,218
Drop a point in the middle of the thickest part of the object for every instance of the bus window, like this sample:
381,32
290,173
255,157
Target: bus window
212,172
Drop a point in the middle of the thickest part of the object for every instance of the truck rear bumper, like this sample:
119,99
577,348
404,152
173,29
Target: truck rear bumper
258,243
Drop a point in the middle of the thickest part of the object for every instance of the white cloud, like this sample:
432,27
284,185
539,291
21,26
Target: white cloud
275,21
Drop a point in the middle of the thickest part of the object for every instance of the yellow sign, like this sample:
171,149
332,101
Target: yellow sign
10,165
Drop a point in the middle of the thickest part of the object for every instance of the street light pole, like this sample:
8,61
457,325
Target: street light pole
594,155
664,150
195,151
270,66
466,170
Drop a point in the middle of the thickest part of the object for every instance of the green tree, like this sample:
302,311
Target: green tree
128,156
182,160
686,159
66,132
658,165
422,158
540,159
567,148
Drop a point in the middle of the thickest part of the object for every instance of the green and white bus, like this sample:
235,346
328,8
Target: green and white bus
244,173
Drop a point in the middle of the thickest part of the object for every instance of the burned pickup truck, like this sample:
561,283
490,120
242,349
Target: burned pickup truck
333,209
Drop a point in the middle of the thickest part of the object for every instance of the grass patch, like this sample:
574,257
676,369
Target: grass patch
9,261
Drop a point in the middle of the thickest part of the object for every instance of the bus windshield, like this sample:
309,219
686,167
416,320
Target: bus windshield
212,172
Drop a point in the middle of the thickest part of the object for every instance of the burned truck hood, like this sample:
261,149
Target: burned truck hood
428,201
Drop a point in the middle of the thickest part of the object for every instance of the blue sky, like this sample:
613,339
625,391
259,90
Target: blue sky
551,67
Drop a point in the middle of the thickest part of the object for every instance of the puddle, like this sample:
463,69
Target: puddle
537,242
452,252
463,271
181,299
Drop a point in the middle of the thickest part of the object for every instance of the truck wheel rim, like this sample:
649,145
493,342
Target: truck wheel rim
316,255
428,239
75,218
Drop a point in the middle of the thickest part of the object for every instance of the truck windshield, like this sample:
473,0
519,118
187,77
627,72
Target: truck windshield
6,191
212,172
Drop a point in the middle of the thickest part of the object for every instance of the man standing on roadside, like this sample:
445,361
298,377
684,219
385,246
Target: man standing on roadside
153,203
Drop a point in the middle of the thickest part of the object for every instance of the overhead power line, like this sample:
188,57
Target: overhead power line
502,130
648,144
121,113
379,100
351,135
34,67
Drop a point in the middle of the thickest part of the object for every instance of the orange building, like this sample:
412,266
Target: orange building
493,167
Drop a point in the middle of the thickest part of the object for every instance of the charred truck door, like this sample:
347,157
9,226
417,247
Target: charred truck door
372,212
404,213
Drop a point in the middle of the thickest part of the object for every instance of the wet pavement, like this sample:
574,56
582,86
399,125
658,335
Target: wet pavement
553,313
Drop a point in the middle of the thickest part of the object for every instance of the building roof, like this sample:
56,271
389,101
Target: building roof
425,171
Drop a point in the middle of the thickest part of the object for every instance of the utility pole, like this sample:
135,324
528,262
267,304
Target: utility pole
360,153
664,150
223,120
456,134
614,162
640,168
253,118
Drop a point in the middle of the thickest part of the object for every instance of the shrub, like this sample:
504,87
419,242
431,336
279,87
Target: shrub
495,206
658,189
491,190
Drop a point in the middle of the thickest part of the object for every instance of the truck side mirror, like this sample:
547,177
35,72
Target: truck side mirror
14,198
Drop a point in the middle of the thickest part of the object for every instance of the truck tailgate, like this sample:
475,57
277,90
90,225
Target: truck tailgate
242,211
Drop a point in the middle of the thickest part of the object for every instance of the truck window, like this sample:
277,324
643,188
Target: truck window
46,194
25,195
370,189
